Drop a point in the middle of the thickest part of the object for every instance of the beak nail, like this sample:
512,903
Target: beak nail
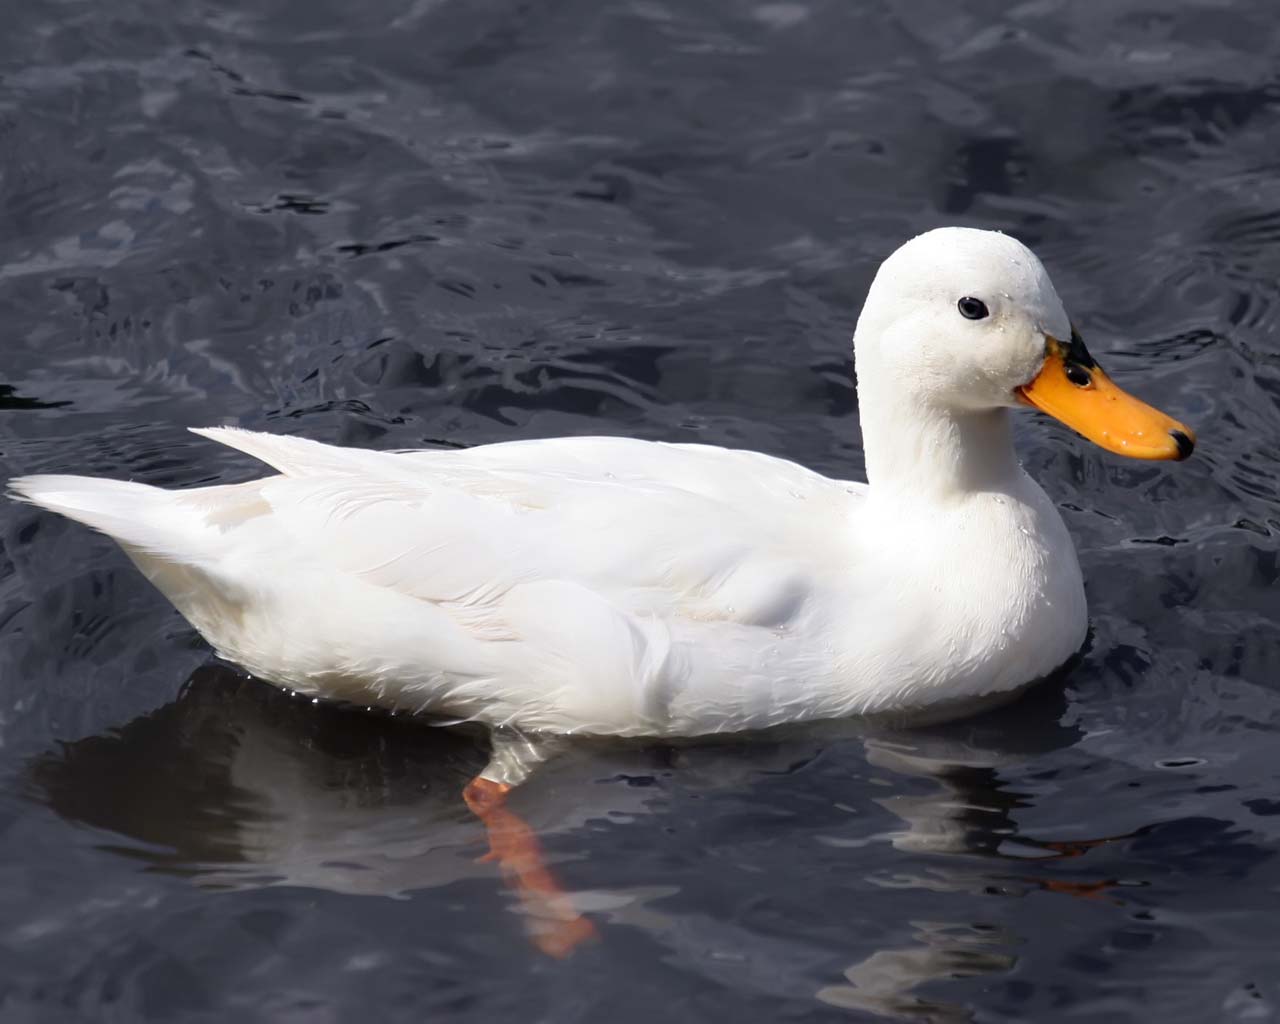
1185,444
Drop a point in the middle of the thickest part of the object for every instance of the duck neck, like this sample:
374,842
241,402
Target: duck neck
924,453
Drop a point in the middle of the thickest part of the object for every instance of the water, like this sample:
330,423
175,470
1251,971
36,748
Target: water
395,224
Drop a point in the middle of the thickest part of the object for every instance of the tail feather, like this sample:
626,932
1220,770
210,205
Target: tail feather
139,515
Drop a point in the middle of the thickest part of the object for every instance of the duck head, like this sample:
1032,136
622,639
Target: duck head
961,322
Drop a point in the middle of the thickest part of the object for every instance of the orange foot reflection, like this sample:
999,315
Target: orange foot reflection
1080,890
557,929
1070,849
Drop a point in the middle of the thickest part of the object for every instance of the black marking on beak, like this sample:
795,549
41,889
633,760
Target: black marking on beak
1075,353
1076,361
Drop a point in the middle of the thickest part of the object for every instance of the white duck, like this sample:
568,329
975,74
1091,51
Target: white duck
622,587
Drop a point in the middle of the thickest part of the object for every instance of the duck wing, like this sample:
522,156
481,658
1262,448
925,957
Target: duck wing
657,527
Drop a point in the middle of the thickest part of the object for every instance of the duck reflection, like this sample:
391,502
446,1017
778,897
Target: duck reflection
237,785
971,810
884,983
970,815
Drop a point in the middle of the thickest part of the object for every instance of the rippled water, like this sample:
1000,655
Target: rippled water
420,222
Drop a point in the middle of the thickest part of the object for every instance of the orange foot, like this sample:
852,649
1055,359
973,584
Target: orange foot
558,929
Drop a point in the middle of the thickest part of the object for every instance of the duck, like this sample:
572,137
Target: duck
618,587
613,587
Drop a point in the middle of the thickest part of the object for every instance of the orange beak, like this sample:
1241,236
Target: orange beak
1072,388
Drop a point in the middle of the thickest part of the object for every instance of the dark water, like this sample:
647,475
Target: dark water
400,223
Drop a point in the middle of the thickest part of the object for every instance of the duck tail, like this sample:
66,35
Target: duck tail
134,514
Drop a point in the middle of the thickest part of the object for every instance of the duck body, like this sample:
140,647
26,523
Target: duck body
621,587
600,585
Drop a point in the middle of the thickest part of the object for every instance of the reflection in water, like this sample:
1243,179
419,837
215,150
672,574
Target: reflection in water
556,927
10,399
971,812
966,813
238,785
885,982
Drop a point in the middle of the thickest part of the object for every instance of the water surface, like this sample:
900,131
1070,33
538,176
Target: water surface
394,224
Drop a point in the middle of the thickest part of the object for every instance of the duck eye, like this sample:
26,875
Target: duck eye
971,308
